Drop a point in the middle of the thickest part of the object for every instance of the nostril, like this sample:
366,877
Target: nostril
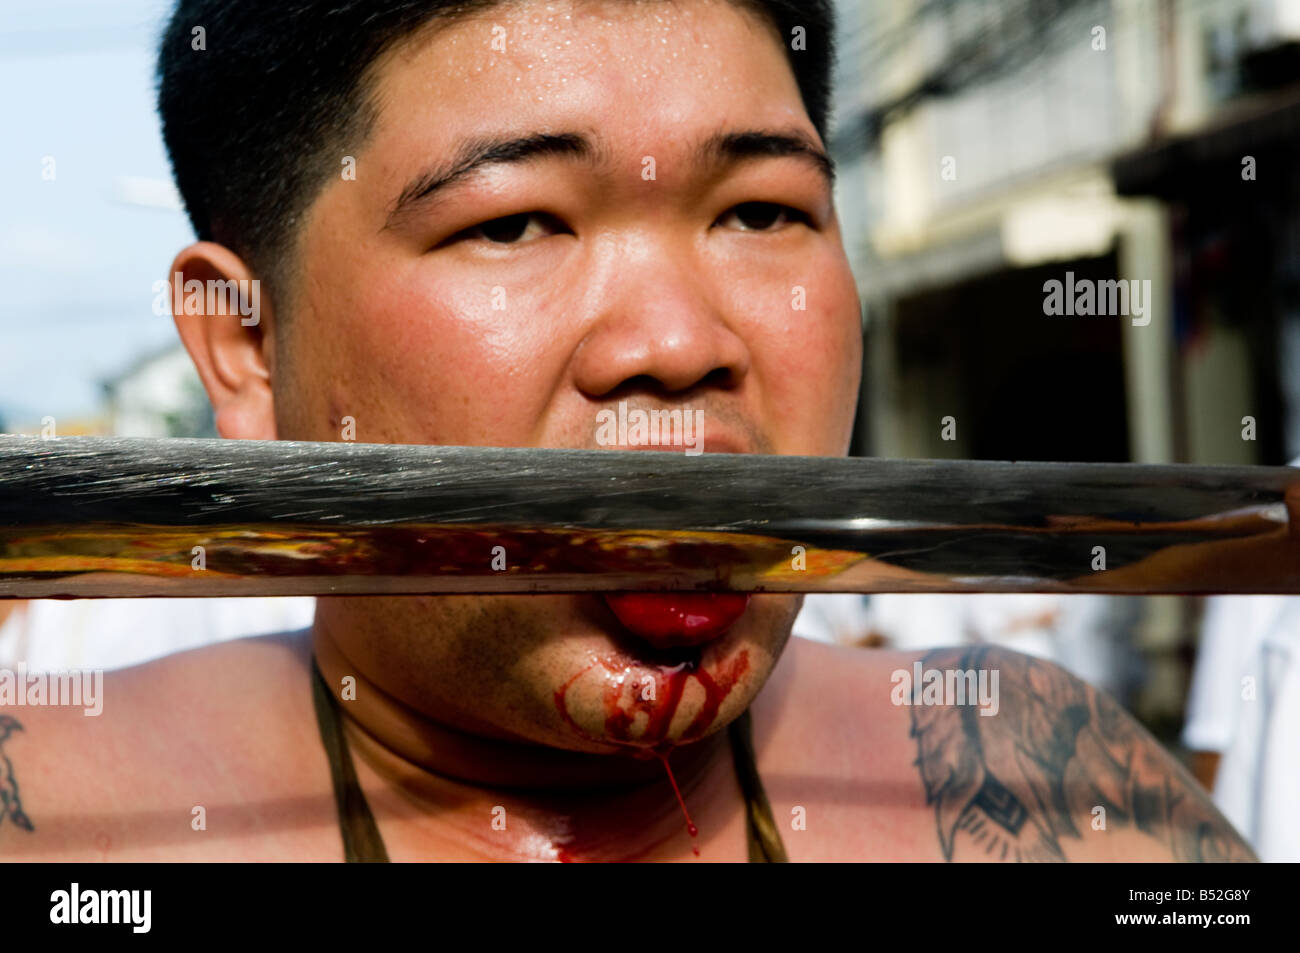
723,377
642,384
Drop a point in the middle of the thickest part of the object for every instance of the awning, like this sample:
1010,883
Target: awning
1267,128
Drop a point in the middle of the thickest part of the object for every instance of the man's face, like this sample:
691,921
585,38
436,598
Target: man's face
623,270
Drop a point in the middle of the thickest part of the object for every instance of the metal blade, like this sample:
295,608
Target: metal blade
99,517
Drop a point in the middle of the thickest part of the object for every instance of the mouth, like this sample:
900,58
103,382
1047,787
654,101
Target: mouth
677,620
671,662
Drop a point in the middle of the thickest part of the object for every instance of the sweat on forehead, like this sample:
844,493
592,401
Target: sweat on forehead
256,97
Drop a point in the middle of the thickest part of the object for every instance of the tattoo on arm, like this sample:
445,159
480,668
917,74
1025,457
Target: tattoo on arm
10,805
1023,783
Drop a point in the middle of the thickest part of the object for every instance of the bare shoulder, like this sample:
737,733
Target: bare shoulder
198,755
1054,769
981,753
835,758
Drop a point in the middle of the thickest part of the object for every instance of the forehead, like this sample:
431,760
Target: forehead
642,74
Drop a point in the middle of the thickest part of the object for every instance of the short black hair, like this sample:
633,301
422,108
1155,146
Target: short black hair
255,120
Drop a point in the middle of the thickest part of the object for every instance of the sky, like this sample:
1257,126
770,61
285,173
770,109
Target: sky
79,254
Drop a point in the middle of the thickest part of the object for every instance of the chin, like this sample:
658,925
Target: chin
625,695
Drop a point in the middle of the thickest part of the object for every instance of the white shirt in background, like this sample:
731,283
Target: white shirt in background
56,635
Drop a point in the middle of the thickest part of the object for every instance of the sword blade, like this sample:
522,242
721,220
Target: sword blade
103,517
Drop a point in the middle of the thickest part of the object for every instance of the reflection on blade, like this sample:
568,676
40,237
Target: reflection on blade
94,517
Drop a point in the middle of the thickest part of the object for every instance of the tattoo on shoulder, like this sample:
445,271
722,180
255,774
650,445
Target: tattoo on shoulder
10,805
1057,762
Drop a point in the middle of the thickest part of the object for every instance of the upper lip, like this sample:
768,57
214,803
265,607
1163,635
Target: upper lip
711,444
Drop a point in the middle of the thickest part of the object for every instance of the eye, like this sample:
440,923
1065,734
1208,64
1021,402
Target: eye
513,229
762,216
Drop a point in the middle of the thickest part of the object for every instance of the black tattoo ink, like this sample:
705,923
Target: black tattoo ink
1017,784
10,804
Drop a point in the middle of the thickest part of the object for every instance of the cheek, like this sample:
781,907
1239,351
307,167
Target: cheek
800,301
810,361
443,360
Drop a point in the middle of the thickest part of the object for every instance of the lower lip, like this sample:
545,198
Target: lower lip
674,619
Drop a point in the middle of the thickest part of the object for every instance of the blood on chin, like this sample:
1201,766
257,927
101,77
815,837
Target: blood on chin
673,660
647,707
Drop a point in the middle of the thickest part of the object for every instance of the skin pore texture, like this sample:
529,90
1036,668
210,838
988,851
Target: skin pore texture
449,321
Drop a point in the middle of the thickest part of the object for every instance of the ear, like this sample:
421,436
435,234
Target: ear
224,323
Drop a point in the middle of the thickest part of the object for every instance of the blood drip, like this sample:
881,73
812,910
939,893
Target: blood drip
659,709
690,825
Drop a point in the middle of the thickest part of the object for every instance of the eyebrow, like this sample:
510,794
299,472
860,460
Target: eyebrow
724,148
721,148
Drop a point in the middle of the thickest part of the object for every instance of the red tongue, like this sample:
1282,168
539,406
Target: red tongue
673,619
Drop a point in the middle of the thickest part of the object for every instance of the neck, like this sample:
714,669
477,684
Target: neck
573,799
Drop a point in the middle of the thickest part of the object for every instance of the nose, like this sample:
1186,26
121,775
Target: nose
659,325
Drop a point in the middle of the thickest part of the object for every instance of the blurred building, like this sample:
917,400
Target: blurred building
988,147
159,395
